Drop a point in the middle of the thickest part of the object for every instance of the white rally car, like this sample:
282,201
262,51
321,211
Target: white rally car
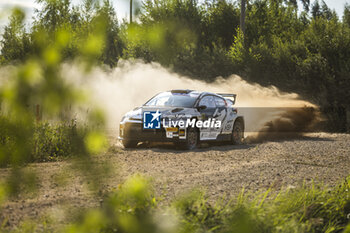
184,117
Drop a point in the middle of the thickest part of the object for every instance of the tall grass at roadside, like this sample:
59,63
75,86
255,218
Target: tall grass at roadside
134,207
50,141
310,208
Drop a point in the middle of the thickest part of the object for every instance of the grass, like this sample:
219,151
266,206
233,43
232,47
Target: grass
48,141
133,208
52,141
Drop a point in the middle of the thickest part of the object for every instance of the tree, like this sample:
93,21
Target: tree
221,20
346,16
242,20
131,12
54,14
15,41
169,27
322,10
113,43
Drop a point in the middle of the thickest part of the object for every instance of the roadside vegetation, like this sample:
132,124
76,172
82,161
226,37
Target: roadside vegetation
49,142
298,46
134,207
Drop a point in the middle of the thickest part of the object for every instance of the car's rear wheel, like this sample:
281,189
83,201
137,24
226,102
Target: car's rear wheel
191,140
237,133
129,143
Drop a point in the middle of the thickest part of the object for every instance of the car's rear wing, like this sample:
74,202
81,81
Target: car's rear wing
231,96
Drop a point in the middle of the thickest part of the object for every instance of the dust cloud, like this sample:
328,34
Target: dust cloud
131,84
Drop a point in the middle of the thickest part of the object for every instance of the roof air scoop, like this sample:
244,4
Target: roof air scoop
182,91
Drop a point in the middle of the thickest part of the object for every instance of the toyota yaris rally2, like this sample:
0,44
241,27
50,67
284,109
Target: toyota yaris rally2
185,117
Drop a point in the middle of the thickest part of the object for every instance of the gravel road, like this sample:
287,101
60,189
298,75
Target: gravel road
220,170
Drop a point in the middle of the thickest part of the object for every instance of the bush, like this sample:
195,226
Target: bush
133,208
49,142
52,141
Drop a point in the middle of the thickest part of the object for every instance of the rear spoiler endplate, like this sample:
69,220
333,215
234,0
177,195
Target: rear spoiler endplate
233,96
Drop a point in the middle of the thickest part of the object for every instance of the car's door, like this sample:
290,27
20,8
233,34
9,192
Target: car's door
210,107
206,113
220,114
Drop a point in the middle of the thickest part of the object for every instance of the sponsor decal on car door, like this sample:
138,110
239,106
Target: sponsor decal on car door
220,114
209,102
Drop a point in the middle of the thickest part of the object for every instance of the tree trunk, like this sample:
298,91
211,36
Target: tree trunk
242,21
130,11
348,119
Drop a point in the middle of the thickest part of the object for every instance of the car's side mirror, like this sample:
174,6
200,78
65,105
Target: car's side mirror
201,107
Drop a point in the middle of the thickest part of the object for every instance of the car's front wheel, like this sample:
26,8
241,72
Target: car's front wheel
237,133
129,143
191,140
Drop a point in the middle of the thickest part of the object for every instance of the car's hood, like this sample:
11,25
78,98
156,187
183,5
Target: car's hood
170,112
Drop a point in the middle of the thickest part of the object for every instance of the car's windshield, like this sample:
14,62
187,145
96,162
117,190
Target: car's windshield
185,100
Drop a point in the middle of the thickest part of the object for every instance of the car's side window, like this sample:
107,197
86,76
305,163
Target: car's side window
207,101
219,102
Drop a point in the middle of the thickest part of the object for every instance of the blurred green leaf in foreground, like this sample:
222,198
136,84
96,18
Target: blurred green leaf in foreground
37,83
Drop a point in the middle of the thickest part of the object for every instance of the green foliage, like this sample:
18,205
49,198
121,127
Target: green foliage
15,43
168,28
51,142
220,22
113,43
296,52
133,208
204,63
304,52
237,51
198,215
38,81
56,16
346,16
128,209
266,19
322,11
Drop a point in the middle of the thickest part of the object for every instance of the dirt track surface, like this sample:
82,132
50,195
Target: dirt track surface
220,170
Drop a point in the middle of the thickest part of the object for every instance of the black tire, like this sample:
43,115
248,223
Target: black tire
129,144
237,133
191,140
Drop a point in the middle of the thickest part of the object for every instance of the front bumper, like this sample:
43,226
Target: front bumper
133,131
